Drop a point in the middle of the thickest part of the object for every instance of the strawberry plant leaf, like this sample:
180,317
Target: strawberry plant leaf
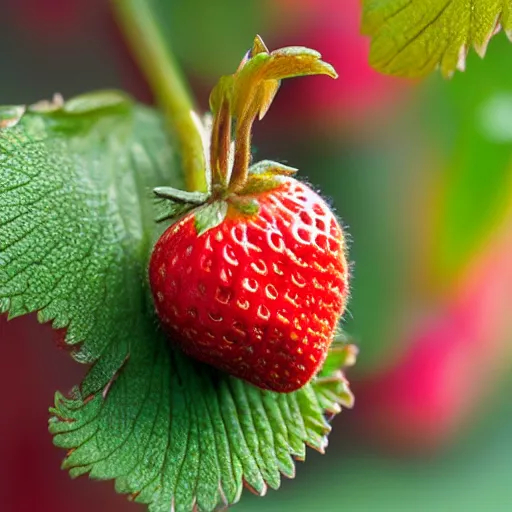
76,230
413,37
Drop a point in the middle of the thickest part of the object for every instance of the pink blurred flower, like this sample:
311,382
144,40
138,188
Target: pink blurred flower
452,363
333,28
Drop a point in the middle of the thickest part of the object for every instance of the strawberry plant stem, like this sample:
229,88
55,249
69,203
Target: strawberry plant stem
167,83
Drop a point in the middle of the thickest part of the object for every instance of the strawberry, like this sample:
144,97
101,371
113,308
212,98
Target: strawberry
253,277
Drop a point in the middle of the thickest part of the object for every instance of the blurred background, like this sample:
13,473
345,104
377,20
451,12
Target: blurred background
420,173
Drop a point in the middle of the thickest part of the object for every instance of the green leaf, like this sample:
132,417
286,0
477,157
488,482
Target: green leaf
413,37
76,230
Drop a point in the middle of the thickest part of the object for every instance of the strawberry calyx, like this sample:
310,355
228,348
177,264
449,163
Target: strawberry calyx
240,98
265,176
235,102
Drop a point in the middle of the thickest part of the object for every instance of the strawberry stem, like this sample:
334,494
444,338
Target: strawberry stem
220,146
166,80
242,154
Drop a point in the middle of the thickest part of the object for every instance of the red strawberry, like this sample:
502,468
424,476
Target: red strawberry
254,280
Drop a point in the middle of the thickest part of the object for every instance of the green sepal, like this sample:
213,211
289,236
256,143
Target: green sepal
338,357
221,91
181,196
171,210
342,353
270,167
255,83
172,203
210,216
247,206
265,176
333,392
251,90
301,51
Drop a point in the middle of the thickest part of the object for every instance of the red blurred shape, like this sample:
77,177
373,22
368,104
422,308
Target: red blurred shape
333,28
32,369
52,19
452,363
